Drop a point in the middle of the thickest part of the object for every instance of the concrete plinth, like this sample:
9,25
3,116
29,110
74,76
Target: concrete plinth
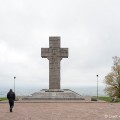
54,94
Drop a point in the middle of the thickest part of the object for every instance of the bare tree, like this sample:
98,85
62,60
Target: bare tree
112,80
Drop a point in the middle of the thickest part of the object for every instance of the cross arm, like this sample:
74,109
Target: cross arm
44,52
64,52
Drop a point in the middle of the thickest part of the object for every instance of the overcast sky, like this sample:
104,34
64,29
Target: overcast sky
89,28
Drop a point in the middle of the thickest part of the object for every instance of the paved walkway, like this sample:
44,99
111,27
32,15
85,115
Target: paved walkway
61,111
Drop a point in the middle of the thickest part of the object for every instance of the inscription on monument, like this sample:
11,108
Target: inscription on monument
54,54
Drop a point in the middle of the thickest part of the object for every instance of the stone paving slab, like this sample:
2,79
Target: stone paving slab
61,111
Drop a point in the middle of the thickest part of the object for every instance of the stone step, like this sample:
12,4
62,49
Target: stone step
56,95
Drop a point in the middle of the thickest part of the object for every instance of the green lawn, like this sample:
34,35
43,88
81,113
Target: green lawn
108,99
1,99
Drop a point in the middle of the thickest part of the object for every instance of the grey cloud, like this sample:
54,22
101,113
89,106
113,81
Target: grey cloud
90,29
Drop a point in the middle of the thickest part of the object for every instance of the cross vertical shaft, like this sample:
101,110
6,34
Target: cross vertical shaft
54,54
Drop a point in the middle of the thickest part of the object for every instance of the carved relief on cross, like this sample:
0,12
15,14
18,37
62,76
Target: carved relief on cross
54,54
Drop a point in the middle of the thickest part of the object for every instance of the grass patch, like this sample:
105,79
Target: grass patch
108,99
2,99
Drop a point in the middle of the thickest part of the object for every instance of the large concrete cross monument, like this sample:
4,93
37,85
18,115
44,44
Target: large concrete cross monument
54,54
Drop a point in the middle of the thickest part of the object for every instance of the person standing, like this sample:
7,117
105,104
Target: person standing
11,98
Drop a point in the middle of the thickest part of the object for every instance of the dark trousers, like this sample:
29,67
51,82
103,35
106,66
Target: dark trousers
11,103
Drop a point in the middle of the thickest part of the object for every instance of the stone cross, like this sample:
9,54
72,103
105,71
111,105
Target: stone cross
54,54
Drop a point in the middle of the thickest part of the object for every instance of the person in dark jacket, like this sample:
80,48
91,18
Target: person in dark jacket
11,98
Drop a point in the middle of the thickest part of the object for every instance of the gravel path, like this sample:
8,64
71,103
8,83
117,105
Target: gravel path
61,111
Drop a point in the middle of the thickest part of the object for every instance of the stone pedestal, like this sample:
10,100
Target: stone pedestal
54,94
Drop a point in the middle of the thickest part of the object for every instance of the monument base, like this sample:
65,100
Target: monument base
54,94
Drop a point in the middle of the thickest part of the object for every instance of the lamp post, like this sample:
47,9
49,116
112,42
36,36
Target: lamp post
97,86
14,83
